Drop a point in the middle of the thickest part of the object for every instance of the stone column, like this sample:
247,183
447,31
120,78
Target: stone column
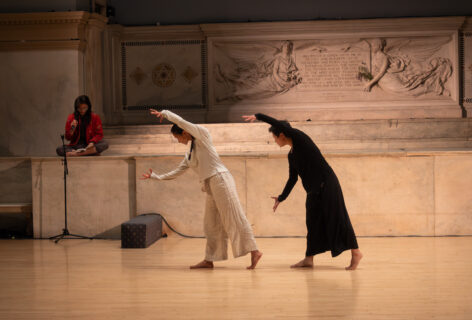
467,66
94,62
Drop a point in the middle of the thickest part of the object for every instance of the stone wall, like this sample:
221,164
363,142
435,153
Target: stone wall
38,91
318,70
326,70
387,194
100,195
15,177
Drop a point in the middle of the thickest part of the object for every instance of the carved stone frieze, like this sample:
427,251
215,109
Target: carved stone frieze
48,30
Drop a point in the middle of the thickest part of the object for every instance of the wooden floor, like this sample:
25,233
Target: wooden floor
399,278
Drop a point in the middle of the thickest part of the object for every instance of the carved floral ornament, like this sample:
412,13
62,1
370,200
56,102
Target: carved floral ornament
189,74
163,75
138,75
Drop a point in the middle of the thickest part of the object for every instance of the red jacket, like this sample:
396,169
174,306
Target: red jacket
94,131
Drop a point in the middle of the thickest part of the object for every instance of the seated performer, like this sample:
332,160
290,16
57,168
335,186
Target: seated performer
327,220
83,130
224,215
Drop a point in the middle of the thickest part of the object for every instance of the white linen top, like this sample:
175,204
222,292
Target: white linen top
204,160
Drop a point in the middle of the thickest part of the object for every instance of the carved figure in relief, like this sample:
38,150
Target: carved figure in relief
256,72
409,68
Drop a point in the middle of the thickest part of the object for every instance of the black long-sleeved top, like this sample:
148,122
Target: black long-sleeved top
305,159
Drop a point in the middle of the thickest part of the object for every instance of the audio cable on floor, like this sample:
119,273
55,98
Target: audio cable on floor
202,237
170,227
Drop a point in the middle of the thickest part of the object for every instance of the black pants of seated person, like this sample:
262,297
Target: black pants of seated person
101,146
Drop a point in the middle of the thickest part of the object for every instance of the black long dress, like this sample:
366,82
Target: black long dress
327,220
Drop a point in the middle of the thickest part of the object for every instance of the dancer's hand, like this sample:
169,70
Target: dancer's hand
147,175
276,203
250,118
157,114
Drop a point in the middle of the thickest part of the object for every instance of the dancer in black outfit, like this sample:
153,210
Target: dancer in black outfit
327,220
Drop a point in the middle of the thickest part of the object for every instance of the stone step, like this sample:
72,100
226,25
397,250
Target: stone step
360,129
357,135
141,138
326,146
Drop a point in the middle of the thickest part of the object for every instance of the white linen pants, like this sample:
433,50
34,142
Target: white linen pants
225,218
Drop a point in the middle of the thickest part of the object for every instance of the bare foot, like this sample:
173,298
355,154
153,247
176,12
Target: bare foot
305,263
356,258
202,265
255,257
71,154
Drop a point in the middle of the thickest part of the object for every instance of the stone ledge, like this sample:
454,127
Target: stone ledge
42,18
255,154
16,207
418,25
43,45
387,193
89,158
47,30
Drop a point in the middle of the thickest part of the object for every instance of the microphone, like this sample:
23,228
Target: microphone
74,126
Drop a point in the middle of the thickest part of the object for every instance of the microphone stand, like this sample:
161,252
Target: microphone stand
65,232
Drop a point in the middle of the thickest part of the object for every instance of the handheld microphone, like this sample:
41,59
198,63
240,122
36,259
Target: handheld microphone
75,118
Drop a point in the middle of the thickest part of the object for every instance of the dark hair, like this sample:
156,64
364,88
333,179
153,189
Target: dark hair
83,99
277,130
176,129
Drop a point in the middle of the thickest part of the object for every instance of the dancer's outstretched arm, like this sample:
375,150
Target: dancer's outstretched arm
194,130
292,180
167,176
286,129
267,119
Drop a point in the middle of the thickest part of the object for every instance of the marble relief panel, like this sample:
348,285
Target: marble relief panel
163,73
330,70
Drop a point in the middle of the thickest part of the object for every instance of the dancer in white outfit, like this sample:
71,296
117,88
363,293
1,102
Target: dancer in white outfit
224,215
